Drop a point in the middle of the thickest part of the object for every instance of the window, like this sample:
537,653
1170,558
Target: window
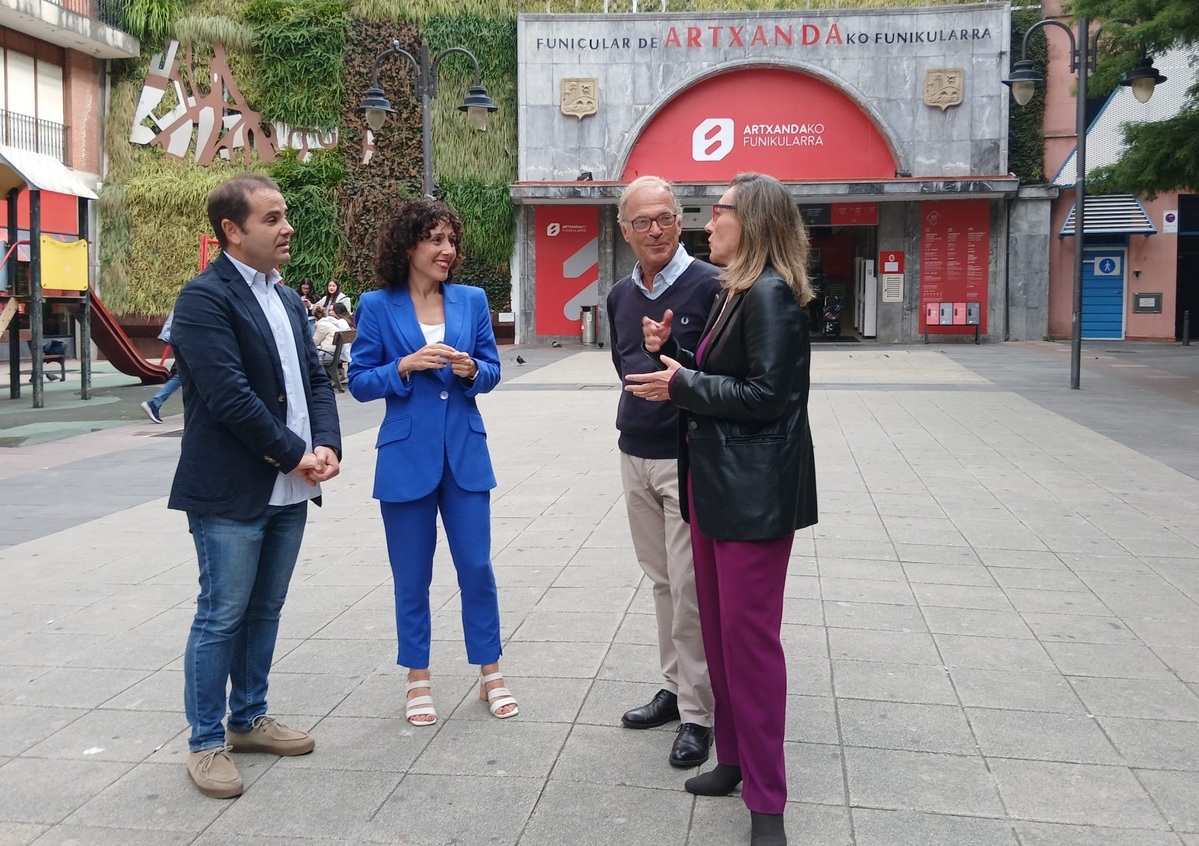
31,103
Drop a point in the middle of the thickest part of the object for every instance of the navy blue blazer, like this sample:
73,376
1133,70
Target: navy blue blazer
236,441
432,416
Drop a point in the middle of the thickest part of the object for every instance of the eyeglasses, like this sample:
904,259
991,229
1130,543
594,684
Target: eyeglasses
717,208
664,221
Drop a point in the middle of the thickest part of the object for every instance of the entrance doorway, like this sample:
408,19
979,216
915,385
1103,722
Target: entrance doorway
1103,292
1188,265
834,250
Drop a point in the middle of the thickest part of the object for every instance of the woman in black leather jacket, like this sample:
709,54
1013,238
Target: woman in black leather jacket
746,459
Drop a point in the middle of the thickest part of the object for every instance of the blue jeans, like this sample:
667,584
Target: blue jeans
245,568
164,393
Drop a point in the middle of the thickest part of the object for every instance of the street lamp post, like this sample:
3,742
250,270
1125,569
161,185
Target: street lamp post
1023,81
477,105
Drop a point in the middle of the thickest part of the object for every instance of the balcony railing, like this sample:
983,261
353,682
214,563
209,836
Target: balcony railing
108,12
33,134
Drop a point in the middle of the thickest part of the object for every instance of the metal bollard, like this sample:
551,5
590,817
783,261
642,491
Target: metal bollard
1186,328
587,328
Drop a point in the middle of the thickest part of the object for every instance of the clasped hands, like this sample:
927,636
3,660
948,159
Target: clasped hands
436,357
317,466
655,386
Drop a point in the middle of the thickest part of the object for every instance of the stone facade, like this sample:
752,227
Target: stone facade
644,61
944,144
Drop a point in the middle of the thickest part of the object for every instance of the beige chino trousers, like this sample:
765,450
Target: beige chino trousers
662,543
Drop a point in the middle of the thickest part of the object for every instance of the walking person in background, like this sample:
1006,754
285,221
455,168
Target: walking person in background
262,434
747,464
153,406
666,284
426,347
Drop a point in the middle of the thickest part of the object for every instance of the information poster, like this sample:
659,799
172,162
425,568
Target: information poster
567,276
955,250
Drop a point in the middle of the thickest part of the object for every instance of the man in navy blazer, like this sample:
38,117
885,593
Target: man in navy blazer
262,434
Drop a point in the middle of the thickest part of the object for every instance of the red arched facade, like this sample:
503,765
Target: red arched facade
781,122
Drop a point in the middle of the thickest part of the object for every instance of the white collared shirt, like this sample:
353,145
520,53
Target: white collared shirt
679,262
288,489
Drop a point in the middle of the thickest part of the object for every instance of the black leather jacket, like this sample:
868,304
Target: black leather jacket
745,444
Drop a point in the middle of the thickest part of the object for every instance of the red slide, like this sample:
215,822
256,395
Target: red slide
118,349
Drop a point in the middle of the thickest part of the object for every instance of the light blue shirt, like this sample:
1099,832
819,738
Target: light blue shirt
288,489
679,262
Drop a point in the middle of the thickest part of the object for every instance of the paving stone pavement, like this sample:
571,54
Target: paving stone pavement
992,634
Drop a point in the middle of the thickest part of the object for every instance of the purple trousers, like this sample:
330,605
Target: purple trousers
739,586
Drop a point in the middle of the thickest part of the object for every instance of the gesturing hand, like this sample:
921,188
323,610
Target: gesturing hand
464,366
654,387
656,334
428,357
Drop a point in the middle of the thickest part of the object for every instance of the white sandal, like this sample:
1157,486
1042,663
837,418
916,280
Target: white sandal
420,706
497,697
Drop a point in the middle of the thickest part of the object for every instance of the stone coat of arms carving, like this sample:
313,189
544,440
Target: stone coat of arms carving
580,97
944,87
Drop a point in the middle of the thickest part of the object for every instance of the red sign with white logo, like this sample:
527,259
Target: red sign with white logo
890,261
567,276
955,261
780,122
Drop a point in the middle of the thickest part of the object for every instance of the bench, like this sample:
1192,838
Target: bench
60,359
333,367
962,318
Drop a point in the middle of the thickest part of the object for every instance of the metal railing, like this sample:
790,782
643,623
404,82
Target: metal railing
33,134
108,12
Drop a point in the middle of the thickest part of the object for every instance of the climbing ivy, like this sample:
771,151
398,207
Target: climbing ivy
1026,137
299,45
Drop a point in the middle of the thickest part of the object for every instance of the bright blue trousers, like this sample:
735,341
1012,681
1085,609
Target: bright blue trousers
411,529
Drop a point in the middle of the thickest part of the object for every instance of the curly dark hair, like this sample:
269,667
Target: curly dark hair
410,225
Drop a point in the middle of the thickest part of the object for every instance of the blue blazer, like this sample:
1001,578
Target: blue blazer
432,416
236,441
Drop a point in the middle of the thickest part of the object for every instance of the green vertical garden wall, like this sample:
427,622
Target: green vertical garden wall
307,63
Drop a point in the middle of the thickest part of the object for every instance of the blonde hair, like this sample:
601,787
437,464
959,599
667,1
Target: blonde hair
318,312
772,235
645,182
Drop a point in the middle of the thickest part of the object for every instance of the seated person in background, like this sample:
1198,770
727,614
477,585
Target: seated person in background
342,315
333,295
322,333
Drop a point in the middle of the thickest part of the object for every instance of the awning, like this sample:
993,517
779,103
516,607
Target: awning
1112,214
19,168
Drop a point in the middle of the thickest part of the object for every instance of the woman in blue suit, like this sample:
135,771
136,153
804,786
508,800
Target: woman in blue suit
426,347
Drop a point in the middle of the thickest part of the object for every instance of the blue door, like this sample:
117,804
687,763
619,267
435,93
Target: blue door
1103,292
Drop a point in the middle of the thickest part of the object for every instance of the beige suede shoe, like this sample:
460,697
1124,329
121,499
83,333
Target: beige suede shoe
214,773
271,736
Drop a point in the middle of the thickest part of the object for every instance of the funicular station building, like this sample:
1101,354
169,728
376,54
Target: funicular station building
889,127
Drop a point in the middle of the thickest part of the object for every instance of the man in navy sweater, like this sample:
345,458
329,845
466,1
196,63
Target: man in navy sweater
670,286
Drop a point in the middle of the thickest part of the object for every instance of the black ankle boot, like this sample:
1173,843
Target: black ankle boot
719,782
766,830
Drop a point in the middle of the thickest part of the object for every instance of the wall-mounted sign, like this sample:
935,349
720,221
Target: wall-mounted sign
955,248
1146,303
890,277
580,97
782,122
567,275
1170,222
944,87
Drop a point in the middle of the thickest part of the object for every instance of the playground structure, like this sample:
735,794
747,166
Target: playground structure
58,271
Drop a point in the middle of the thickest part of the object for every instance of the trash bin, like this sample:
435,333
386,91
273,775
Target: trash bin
587,328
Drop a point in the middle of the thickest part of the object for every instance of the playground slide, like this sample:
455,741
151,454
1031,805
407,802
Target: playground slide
118,349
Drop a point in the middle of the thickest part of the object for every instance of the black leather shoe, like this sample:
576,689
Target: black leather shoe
663,708
691,746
